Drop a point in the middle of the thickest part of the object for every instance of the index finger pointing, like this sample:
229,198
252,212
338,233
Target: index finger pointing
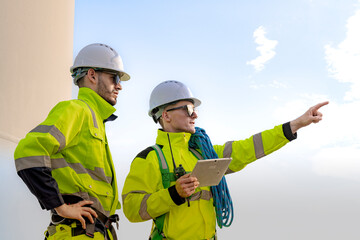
319,105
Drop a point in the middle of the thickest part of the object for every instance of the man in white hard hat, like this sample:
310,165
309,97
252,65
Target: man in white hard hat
65,161
159,186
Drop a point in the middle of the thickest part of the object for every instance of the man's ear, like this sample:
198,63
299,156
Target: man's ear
91,74
165,116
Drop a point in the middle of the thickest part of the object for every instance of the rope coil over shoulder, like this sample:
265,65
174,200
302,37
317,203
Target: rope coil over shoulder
222,199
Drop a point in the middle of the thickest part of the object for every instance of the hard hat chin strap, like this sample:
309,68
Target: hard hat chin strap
157,113
79,73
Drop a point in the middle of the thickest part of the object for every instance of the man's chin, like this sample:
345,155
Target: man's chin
192,131
112,102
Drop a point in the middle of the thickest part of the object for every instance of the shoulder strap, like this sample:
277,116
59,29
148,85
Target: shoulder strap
167,177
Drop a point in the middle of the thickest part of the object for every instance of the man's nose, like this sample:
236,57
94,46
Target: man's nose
118,86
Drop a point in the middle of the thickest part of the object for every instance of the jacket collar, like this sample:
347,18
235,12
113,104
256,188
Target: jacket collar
176,139
97,103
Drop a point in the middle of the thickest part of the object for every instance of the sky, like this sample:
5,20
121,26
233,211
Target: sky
254,65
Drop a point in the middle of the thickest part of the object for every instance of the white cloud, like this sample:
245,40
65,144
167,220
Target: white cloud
266,49
344,59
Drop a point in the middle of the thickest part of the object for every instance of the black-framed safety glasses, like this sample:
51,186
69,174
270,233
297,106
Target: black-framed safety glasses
190,109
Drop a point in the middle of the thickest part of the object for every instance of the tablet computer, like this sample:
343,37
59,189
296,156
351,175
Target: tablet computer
210,171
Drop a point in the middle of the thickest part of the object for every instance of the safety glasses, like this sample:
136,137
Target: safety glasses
190,109
115,75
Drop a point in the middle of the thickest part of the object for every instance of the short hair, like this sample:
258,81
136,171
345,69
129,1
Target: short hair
80,82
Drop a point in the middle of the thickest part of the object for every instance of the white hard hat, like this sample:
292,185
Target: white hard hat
168,92
98,55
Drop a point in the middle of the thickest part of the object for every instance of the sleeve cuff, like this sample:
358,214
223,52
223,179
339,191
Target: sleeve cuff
175,196
51,203
287,132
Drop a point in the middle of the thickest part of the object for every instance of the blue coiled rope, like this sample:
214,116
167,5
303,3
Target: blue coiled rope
221,195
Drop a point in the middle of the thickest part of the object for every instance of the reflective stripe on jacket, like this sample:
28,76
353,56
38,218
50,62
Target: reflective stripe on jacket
145,198
73,144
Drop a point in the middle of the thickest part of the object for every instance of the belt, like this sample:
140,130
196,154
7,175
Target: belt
101,224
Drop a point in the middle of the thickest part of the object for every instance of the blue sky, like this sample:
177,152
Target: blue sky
254,65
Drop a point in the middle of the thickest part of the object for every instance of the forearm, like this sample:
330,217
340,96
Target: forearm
43,186
295,125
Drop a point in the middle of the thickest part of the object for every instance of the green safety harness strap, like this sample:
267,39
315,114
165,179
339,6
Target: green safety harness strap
167,178
158,234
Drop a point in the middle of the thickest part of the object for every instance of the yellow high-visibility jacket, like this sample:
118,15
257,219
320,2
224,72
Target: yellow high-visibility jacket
145,198
68,155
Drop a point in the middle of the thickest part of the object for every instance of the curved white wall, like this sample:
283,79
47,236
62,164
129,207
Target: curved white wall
36,47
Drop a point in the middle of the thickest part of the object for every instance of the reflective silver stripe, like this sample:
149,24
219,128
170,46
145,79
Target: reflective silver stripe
196,153
92,113
143,208
54,131
228,149
31,162
258,145
96,174
206,195
203,194
161,156
227,154
125,195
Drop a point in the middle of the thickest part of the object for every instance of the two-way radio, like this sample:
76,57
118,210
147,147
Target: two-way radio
179,171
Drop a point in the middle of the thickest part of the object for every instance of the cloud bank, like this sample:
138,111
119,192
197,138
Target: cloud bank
335,141
344,60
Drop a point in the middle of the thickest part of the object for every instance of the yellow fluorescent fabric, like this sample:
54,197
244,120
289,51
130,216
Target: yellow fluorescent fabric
78,150
243,151
182,222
